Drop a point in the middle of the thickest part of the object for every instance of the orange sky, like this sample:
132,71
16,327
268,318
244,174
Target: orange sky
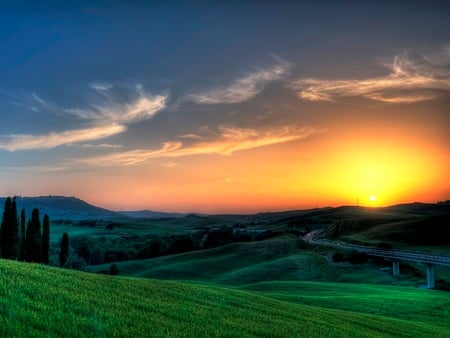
227,108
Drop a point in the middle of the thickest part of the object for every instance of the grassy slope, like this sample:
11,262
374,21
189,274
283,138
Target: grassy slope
237,263
41,301
242,263
427,306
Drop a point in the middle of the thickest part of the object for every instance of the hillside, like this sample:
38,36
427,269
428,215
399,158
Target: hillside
41,301
408,225
275,259
62,208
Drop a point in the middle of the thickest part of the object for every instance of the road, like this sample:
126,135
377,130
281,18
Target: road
392,254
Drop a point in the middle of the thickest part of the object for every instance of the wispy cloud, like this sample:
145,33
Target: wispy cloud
45,168
242,89
229,141
100,86
410,80
144,108
103,120
27,142
91,146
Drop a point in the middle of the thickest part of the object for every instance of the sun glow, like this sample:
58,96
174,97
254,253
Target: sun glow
397,169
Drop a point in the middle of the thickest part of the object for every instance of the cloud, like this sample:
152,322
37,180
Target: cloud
410,80
230,140
51,140
91,146
100,86
102,121
242,89
142,108
45,168
133,156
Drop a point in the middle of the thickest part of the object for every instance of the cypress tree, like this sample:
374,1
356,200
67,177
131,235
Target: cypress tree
5,227
46,240
14,249
33,247
64,253
22,235
10,230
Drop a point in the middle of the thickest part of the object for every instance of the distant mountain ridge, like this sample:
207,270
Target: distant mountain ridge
61,208
73,208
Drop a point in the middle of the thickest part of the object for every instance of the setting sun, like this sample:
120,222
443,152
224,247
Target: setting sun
372,198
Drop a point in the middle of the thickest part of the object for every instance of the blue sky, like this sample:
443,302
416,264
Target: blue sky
144,96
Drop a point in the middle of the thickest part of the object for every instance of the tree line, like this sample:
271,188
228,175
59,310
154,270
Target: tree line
27,243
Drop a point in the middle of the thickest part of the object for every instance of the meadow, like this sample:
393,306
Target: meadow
43,301
227,275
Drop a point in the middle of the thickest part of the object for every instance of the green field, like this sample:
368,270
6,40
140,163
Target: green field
277,287
273,259
36,300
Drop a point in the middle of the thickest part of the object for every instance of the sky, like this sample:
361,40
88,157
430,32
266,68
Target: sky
197,106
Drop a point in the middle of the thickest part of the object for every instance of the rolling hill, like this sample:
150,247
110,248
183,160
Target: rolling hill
36,300
275,259
62,208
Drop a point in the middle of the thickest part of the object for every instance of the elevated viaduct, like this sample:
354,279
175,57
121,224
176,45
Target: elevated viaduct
394,255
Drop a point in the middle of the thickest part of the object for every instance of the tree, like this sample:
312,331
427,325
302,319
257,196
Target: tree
22,236
46,240
14,230
5,233
10,230
113,270
33,247
64,253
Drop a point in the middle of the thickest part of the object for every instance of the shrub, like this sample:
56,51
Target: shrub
113,270
75,263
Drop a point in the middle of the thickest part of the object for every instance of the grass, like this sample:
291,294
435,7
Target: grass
429,306
273,259
40,301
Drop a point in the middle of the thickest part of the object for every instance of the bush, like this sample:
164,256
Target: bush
75,263
113,270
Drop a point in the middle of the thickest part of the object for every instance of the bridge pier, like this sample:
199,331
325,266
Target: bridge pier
396,268
430,276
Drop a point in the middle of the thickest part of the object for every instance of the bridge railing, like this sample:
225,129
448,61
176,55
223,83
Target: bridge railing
406,255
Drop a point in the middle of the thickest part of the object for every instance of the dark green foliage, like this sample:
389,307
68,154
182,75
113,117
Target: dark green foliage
46,240
14,230
5,227
10,230
358,257
33,247
338,257
22,236
151,249
113,270
88,249
182,243
64,253
75,263
100,250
